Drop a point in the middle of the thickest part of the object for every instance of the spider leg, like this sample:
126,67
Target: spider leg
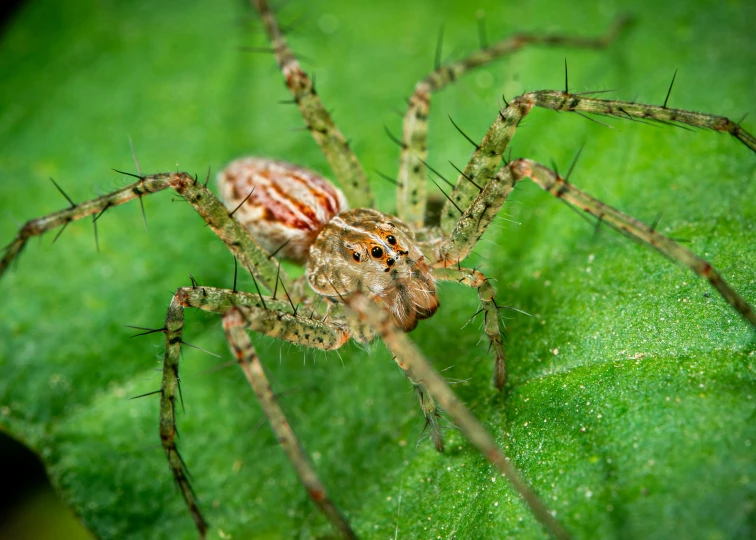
170,391
481,202
487,157
346,167
476,280
563,101
266,315
411,184
431,412
418,369
481,193
476,218
216,215
234,325
558,186
479,214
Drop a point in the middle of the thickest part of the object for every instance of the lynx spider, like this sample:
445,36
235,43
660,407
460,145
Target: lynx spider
447,269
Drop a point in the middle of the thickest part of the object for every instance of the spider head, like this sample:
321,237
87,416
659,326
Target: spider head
378,251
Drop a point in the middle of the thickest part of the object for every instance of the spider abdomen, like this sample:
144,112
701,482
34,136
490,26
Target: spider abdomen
282,205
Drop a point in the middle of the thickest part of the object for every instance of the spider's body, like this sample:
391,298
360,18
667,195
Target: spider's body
363,258
299,215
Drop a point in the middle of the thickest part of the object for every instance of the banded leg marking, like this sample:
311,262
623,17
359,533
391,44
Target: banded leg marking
346,167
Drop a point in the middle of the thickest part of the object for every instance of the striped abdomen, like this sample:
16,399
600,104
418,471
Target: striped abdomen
286,206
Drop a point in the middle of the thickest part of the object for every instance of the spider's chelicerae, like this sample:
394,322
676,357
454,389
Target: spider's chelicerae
575,417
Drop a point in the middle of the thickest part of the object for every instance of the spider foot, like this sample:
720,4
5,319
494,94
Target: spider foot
432,416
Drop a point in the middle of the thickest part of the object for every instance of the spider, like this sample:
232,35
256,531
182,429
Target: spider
458,361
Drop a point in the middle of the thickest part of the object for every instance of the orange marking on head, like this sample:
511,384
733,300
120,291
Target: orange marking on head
317,494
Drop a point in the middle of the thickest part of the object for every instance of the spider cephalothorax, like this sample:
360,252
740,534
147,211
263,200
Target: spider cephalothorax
368,248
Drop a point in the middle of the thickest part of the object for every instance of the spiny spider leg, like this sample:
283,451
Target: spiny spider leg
237,238
482,207
476,218
482,210
474,279
411,183
346,167
485,160
418,369
431,412
234,324
170,391
562,101
241,311
558,186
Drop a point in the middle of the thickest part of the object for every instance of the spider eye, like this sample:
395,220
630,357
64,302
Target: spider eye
391,240
356,256
376,252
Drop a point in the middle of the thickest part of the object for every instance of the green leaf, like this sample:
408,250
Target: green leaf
630,401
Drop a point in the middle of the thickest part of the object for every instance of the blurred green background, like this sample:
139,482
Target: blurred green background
629,405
